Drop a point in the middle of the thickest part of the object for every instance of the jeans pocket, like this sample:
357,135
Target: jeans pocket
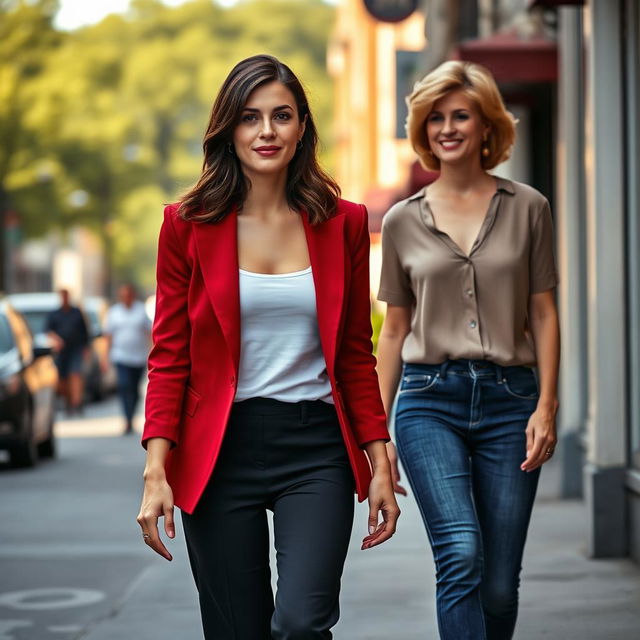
418,382
521,384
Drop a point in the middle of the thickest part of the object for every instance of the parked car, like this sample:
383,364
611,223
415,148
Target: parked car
28,380
35,307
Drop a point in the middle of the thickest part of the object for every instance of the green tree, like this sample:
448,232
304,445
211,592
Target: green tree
117,110
26,37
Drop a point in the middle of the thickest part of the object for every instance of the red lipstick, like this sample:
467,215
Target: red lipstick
267,150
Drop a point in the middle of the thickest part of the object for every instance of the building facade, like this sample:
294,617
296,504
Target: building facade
598,213
372,65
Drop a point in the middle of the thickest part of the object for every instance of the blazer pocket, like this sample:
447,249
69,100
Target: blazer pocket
191,400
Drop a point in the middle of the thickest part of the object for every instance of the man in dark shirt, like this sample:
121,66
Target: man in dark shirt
68,331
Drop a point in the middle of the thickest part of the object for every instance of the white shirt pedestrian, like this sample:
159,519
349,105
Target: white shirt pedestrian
130,329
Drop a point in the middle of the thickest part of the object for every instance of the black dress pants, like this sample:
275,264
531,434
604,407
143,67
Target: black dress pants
289,458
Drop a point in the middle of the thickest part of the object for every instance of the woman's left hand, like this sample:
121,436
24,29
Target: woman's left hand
541,438
381,500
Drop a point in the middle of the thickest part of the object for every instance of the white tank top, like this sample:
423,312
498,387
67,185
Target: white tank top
280,352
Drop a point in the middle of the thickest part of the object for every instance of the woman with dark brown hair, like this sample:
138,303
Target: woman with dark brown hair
262,389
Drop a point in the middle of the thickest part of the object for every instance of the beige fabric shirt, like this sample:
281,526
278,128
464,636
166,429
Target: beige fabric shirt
471,306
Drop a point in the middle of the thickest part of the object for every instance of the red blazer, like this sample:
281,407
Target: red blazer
193,365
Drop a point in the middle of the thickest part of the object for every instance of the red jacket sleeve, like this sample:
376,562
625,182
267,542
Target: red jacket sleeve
355,363
169,362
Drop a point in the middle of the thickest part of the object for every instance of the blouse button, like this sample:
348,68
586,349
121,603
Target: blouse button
473,324
469,292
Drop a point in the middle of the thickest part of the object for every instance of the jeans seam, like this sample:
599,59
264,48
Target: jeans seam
419,503
472,422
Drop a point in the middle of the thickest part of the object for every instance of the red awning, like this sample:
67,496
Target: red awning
511,58
380,199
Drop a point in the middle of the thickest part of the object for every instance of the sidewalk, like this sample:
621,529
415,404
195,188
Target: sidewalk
388,592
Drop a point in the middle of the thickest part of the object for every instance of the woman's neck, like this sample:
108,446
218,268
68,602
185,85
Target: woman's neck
463,178
267,195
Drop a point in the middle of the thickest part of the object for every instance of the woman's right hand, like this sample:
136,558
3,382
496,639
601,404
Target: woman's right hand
157,501
392,454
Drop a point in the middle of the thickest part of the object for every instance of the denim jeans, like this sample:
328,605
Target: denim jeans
129,388
460,430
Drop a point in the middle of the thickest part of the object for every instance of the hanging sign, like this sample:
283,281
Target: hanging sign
391,10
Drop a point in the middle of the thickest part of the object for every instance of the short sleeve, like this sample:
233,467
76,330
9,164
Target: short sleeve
395,285
543,273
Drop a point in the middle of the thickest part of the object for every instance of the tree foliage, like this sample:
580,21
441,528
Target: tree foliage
102,125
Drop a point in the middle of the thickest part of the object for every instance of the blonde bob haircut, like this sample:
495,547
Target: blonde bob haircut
478,84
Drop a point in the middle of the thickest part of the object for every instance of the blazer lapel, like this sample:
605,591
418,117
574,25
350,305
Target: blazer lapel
217,247
326,252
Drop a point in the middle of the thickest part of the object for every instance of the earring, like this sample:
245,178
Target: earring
230,148
299,144
485,149
430,152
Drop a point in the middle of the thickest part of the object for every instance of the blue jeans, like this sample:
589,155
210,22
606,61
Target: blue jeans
460,431
129,389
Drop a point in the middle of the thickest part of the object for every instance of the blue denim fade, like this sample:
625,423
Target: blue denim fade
460,431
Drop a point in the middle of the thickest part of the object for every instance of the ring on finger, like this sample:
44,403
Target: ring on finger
549,452
146,536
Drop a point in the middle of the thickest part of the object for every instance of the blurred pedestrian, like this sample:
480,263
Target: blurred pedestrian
262,388
468,275
128,332
67,330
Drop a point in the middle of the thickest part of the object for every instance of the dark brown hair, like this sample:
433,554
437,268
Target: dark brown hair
222,183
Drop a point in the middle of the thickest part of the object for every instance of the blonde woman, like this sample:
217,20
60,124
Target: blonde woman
471,339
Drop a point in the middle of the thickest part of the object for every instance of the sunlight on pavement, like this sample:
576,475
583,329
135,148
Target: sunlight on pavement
107,426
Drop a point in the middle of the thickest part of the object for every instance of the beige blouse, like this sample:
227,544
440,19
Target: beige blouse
471,306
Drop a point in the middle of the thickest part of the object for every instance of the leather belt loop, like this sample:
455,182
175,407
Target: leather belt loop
443,369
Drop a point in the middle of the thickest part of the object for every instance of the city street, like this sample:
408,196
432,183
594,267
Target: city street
73,565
